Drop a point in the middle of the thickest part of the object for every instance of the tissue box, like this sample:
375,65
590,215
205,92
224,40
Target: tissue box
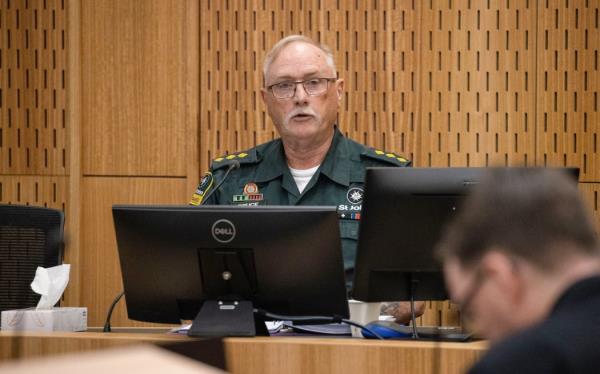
55,319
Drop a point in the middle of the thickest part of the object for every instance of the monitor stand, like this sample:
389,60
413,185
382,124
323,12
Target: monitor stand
227,318
444,333
439,333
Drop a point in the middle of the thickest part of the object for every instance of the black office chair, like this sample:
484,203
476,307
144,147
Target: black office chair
29,237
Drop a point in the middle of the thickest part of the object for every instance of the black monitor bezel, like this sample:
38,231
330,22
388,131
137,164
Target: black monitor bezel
316,259
384,274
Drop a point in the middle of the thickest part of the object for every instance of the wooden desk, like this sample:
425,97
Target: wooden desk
272,354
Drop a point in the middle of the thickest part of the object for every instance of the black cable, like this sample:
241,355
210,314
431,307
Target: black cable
235,164
413,288
110,312
328,319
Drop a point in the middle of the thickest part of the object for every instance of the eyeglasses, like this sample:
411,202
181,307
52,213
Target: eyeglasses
313,87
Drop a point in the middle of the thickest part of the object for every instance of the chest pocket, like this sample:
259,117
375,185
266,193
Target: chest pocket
349,241
349,229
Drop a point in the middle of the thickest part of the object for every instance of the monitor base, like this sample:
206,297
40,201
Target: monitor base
227,318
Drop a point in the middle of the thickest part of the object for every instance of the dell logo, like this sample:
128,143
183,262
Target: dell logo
223,231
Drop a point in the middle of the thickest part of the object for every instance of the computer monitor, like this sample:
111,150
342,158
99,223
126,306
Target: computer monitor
215,264
403,215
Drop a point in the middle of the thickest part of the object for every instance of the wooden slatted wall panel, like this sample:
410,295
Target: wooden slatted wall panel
444,82
33,126
478,83
477,92
46,191
568,114
375,46
568,86
568,89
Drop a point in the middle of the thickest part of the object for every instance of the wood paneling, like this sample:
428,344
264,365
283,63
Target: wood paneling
591,195
477,83
100,280
568,85
73,113
33,73
134,80
44,191
159,88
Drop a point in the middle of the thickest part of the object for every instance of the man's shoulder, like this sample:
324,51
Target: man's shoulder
384,157
374,156
527,352
246,158
565,342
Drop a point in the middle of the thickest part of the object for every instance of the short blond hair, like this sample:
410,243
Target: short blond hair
280,45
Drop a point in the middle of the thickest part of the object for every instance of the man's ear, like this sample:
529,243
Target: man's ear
340,89
263,92
501,271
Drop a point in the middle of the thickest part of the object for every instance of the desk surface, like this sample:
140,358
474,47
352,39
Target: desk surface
270,354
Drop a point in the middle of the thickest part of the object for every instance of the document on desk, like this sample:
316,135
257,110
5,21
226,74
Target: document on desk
322,329
183,329
272,326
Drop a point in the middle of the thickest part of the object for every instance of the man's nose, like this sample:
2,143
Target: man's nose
300,94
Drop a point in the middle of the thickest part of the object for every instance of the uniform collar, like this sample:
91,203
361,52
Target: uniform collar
335,166
273,162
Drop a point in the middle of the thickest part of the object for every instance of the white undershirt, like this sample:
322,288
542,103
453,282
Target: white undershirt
303,176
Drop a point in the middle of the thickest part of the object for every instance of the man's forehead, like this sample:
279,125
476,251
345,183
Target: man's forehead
294,70
298,60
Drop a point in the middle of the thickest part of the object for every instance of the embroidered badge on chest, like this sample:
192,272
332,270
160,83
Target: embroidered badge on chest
250,196
354,196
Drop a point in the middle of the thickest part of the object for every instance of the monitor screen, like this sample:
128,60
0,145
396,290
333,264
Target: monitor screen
404,213
285,260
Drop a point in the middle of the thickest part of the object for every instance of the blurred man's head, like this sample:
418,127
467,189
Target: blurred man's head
522,238
303,111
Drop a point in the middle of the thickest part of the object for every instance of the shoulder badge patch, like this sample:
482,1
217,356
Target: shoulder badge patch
231,157
204,186
387,156
242,157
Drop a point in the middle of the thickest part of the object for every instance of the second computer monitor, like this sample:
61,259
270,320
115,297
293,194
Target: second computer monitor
404,213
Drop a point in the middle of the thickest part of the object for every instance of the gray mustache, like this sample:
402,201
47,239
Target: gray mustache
295,112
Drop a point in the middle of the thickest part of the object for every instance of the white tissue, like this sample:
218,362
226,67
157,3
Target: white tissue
50,284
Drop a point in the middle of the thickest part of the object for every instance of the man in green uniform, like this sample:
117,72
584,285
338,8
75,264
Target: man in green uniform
312,163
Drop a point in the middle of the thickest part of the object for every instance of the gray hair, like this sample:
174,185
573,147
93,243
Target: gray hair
280,45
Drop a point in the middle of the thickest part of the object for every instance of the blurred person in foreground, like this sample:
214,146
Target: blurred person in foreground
522,260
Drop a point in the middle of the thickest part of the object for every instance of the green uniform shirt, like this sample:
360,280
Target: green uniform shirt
264,178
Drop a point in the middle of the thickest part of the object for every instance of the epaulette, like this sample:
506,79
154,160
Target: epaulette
245,157
388,157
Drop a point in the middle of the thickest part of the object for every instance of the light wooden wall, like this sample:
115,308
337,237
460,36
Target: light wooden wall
98,106
139,104
134,98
